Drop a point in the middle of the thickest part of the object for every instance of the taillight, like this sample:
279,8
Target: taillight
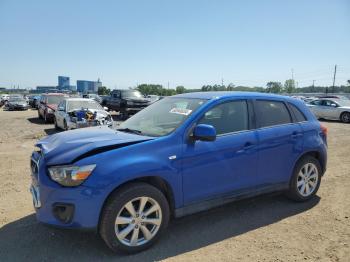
324,130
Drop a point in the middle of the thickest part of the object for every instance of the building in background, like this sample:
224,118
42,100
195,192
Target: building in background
63,82
87,87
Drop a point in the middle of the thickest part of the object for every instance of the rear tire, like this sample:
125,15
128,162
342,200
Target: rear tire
46,120
345,117
65,126
131,232
306,179
55,122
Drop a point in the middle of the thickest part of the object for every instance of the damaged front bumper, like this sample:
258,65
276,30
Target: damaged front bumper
83,123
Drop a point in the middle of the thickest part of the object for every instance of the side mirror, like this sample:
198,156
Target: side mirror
204,133
105,108
334,105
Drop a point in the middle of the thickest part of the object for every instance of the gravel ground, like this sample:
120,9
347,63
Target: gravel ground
267,228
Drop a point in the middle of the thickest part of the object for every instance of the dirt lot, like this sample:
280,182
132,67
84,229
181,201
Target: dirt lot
268,228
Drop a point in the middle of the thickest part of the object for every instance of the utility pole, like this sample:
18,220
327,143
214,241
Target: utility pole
313,85
335,72
222,81
168,84
292,74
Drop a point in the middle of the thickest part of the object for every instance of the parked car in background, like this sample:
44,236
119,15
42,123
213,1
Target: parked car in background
75,113
332,109
334,96
3,99
126,102
48,104
33,100
95,97
181,155
16,103
153,98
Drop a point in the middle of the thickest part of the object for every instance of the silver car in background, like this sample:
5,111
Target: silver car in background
75,113
331,108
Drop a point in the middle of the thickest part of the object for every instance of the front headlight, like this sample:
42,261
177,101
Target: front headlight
130,103
49,110
70,175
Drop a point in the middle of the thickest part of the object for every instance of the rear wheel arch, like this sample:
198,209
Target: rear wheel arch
314,154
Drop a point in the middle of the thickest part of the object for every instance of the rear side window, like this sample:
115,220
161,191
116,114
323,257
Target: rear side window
271,113
227,117
300,117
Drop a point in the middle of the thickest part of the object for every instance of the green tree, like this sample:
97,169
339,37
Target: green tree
289,86
180,90
102,90
274,87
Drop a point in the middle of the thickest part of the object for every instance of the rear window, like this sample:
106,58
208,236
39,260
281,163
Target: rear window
299,116
271,113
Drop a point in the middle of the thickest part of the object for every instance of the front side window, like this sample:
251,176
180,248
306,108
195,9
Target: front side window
227,117
271,113
329,103
163,117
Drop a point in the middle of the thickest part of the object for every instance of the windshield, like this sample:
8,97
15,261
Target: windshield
131,93
79,104
163,117
54,99
344,102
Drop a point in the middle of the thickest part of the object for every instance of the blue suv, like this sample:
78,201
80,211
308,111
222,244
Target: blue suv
183,154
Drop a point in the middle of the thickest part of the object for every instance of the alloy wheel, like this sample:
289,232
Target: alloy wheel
307,179
346,117
138,221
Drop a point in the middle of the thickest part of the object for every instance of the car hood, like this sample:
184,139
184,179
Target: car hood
132,99
19,103
70,146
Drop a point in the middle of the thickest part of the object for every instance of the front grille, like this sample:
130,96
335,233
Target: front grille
34,164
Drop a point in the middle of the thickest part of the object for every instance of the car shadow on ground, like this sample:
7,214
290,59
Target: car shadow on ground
36,120
26,239
51,131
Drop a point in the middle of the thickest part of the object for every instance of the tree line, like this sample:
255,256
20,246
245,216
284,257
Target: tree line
271,87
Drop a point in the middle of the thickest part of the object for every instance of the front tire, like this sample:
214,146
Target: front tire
306,179
133,218
345,117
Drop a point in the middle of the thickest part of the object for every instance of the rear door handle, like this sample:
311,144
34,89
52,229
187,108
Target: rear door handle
296,135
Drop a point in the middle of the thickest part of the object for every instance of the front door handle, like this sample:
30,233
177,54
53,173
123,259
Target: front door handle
246,146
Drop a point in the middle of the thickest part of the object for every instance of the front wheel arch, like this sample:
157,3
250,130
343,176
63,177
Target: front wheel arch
156,181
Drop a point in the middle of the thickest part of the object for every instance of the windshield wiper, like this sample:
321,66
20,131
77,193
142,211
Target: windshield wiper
129,130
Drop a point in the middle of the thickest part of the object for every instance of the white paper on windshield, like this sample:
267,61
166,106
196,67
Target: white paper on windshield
181,111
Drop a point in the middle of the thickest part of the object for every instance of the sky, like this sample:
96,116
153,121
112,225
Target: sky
190,43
